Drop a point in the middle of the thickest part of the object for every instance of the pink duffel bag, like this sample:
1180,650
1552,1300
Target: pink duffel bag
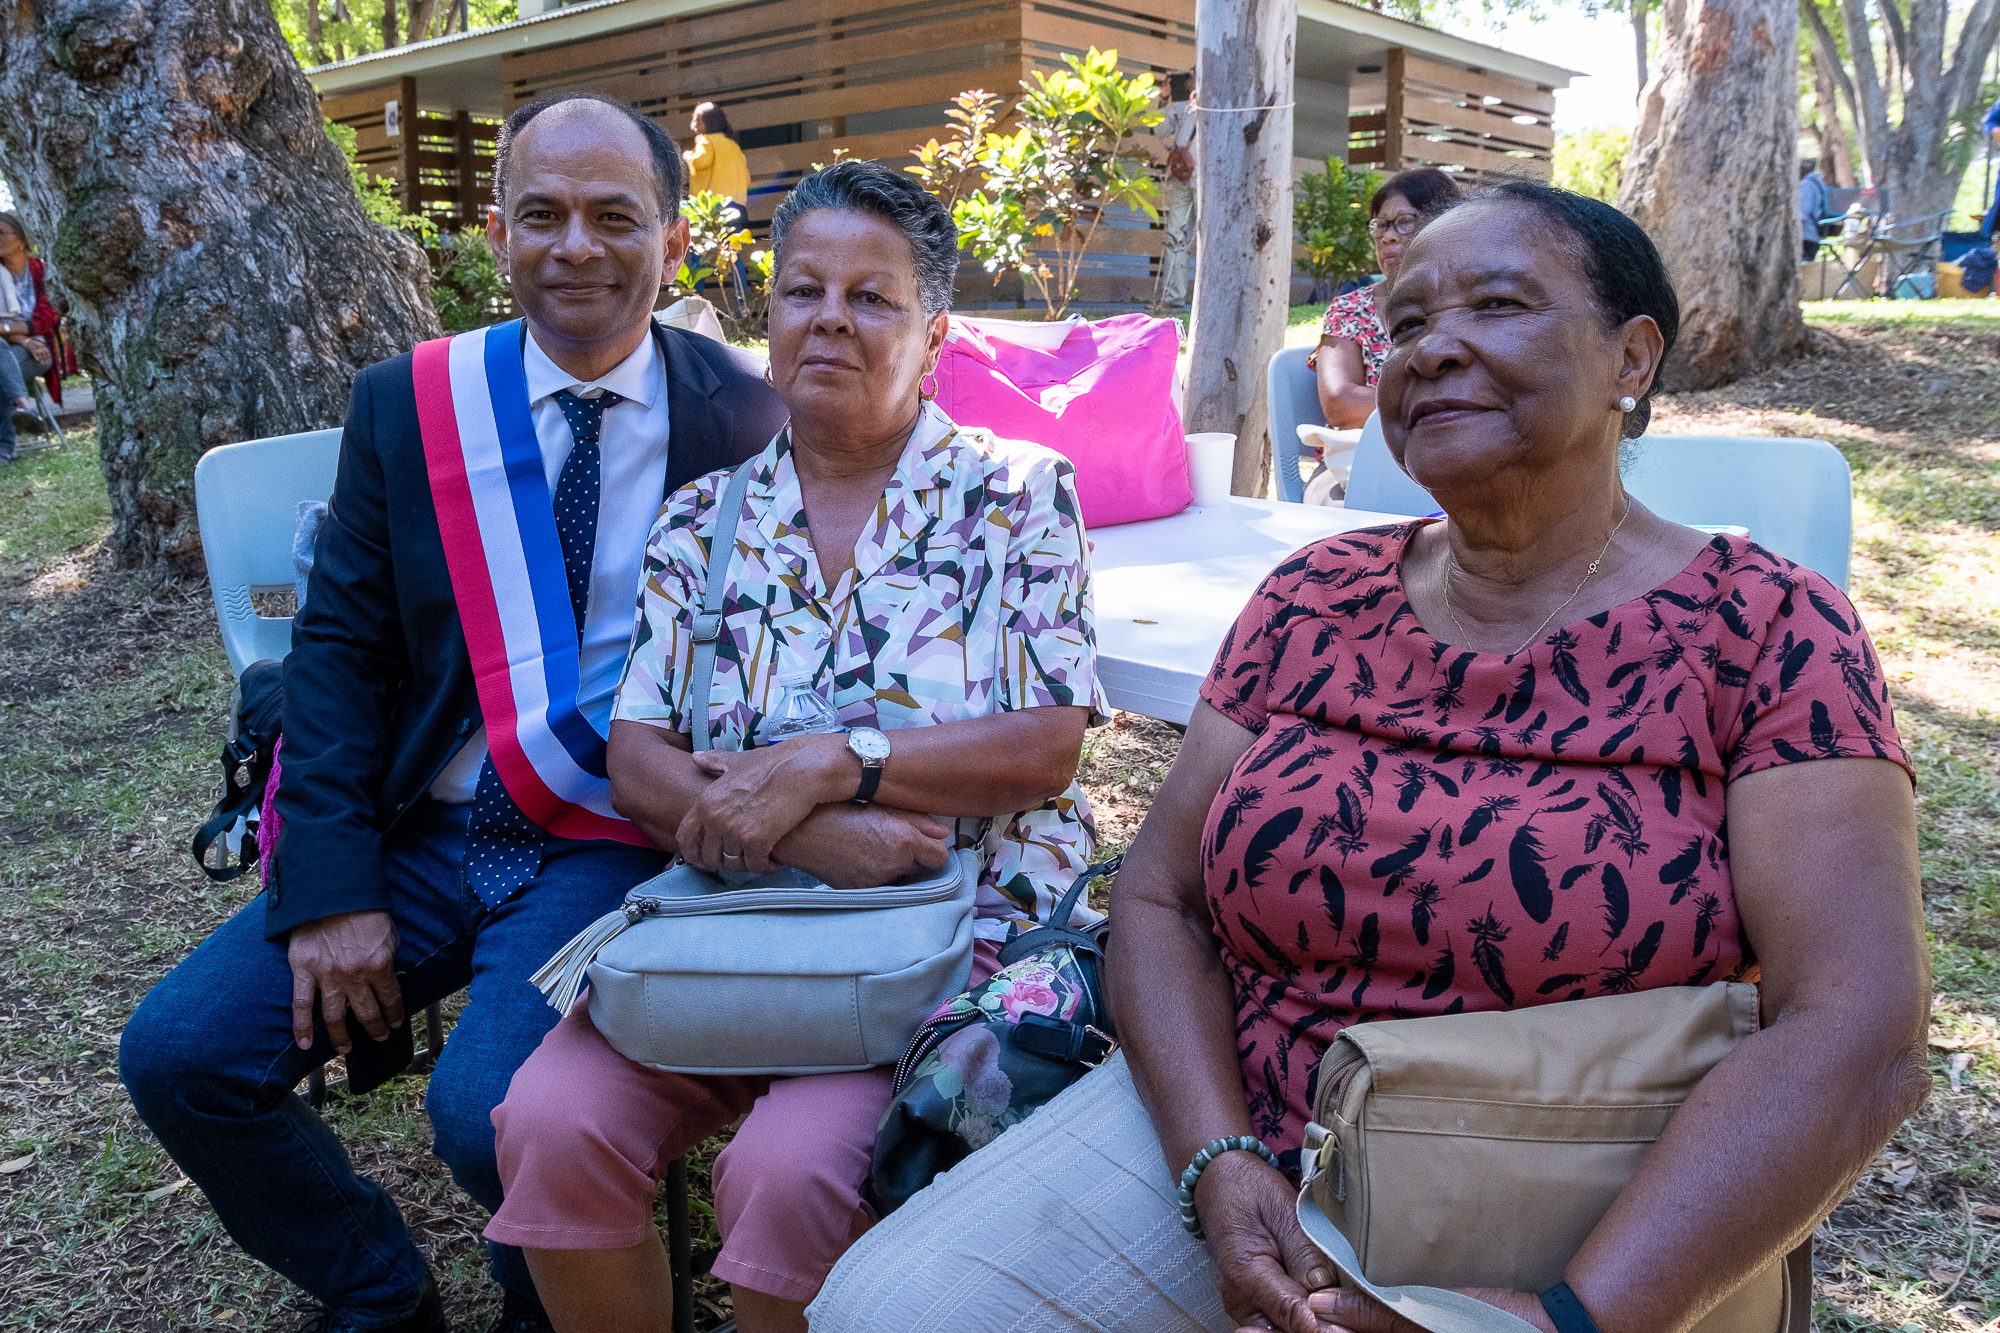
1101,395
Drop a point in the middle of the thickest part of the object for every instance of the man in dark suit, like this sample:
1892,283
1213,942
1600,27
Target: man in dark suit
430,843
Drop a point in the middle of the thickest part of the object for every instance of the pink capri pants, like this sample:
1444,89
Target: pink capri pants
585,1135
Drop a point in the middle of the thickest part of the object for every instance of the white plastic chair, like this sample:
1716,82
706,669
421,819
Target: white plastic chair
1795,497
246,499
1293,395
1376,481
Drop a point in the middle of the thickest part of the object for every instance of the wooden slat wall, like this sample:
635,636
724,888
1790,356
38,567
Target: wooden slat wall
442,163
1445,120
818,63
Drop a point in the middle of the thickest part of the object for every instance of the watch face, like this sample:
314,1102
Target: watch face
868,743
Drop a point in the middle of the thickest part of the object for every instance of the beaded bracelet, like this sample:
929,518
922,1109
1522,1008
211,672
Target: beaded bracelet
1211,1150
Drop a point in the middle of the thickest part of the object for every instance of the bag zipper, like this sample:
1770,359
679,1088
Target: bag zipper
771,900
929,1037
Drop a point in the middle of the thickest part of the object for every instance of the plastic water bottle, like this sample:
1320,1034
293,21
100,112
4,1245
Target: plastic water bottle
801,711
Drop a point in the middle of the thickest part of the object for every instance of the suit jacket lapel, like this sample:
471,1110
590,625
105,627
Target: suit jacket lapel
697,431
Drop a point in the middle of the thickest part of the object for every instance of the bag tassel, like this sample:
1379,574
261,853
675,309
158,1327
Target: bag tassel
562,976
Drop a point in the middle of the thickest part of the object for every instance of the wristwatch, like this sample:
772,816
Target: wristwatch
871,747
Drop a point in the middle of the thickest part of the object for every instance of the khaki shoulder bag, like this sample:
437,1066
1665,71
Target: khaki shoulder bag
1480,1150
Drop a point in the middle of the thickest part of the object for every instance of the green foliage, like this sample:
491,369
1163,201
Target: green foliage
467,287
378,193
714,244
1046,185
350,28
951,170
1330,215
1592,161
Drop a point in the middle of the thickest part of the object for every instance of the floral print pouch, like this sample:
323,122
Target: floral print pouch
988,1059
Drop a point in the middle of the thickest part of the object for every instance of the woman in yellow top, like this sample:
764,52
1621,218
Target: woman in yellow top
717,164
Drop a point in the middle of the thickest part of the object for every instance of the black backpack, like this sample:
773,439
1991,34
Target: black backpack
256,715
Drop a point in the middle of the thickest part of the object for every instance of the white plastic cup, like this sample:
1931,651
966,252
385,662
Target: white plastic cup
1211,460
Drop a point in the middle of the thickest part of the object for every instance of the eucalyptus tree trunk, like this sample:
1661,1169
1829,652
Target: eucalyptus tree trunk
221,279
1908,156
1243,280
1712,179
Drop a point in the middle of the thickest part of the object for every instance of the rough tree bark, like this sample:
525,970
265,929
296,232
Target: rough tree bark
1907,157
220,276
1637,13
1836,158
1242,284
1711,178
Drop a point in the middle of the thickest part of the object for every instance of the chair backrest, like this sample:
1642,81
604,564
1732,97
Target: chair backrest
246,499
1379,483
1293,393
1795,496
1873,199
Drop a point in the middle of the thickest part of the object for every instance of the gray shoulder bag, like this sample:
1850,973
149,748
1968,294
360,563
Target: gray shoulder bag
785,975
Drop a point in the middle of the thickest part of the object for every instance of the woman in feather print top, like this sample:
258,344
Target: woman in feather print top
1551,747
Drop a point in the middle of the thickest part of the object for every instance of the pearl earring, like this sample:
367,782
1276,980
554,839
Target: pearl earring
1627,403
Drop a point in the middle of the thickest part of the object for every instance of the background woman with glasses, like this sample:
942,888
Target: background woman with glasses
1352,342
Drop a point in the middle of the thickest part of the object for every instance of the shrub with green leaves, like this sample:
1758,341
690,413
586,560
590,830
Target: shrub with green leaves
1330,215
1047,185
467,287
378,193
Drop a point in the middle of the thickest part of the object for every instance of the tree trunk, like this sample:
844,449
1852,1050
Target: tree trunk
221,278
1638,12
315,34
1908,157
389,25
1836,157
1723,107
1243,280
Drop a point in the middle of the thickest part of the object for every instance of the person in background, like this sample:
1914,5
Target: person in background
1814,205
1990,127
1352,341
716,164
30,325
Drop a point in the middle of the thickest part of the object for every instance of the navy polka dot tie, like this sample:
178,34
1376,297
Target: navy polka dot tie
504,849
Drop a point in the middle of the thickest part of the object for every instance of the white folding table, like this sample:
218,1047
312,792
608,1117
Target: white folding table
1167,591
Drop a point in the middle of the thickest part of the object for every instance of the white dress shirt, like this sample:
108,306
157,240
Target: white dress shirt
633,478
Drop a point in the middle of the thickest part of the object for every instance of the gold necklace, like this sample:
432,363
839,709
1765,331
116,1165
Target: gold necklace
1451,563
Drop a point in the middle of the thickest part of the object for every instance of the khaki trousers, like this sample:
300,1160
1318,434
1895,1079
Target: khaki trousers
1066,1221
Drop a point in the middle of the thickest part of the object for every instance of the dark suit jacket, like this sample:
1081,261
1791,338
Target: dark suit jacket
379,691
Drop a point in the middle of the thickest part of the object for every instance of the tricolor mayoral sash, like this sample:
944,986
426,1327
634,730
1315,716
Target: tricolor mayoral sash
499,529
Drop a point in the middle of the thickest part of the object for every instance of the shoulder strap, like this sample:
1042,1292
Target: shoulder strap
707,629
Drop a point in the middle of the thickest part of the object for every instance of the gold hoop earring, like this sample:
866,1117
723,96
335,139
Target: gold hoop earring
923,395
767,376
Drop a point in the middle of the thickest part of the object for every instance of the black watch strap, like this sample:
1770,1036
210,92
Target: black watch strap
871,779
1566,1311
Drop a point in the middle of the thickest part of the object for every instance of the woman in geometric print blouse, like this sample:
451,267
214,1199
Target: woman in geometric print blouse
1552,746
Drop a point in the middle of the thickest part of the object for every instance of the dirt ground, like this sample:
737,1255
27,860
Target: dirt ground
112,690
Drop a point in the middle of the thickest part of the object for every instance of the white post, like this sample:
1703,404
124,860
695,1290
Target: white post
1243,265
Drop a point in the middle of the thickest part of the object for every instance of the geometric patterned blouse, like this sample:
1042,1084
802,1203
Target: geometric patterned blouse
968,596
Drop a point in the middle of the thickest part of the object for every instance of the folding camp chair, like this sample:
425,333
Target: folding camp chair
1908,248
246,501
1856,215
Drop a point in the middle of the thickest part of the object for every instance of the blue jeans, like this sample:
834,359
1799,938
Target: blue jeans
211,1065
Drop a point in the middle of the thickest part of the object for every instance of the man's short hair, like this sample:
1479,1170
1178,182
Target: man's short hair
669,172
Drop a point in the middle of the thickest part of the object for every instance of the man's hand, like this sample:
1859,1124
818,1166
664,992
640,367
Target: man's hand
860,847
1266,1263
348,960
